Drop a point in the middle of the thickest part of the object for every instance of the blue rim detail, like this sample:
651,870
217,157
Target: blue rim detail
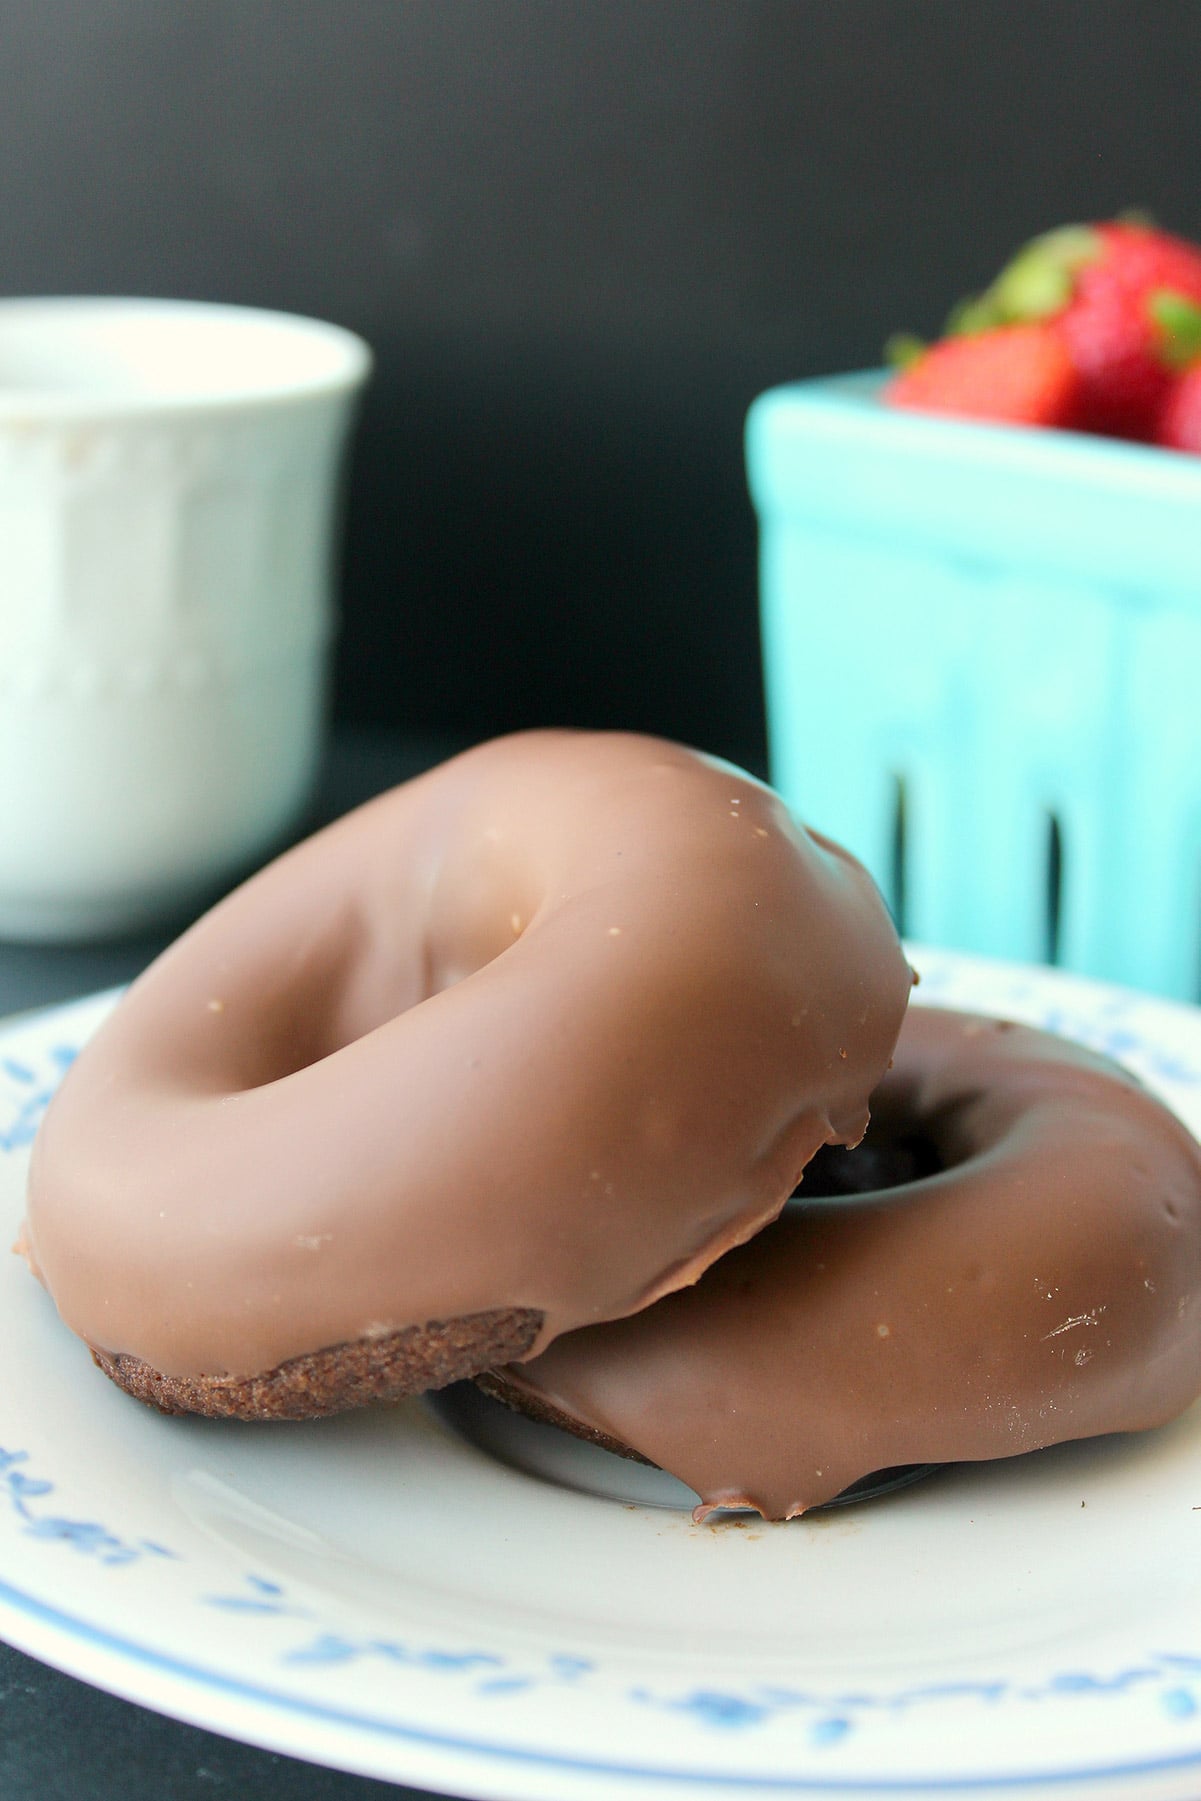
336,1716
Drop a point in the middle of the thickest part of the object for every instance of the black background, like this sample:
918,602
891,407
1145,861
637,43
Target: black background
581,235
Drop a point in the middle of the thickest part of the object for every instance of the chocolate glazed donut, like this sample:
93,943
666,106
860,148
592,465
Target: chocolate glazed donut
521,1045
1012,1259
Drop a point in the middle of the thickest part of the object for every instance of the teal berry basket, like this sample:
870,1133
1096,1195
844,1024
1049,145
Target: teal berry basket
982,653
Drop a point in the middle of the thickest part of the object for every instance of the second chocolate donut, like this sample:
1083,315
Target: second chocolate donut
1012,1259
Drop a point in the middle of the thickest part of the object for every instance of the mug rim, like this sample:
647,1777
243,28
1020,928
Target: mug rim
330,359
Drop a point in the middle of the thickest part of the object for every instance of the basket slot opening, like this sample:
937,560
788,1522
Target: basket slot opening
897,854
1054,896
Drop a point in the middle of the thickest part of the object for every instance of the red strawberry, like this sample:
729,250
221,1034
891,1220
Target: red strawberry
1018,374
1128,300
1180,420
1120,328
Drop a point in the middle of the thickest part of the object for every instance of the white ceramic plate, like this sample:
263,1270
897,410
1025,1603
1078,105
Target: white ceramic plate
379,1593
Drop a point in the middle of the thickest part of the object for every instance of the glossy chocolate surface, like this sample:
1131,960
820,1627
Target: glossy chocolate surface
551,1027
1035,1277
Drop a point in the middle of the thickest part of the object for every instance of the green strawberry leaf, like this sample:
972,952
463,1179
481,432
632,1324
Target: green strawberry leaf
1039,281
1037,284
903,349
1178,320
979,312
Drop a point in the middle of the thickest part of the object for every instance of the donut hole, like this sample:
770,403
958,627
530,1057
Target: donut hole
890,1156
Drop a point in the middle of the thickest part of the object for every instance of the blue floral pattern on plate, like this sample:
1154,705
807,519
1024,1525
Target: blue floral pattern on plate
26,1091
830,1716
26,1492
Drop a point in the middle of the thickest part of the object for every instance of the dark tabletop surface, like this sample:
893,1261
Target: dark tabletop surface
59,1739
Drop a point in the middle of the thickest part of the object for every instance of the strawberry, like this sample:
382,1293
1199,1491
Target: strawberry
1018,374
1128,309
1180,420
1127,298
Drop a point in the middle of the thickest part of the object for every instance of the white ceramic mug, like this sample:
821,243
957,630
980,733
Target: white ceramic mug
168,497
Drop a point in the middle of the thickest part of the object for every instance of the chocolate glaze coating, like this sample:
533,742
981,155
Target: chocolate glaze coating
547,1030
1034,1277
